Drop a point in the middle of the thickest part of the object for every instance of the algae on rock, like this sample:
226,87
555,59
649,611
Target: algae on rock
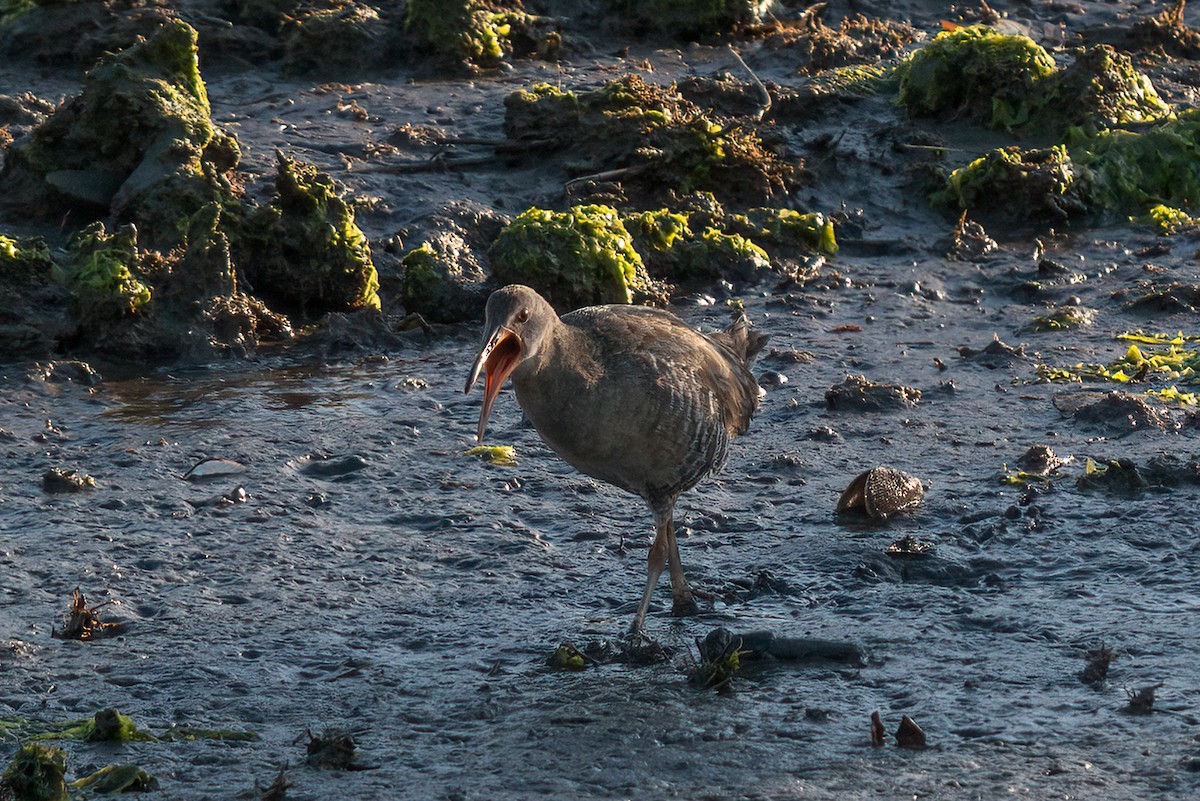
580,257
690,18
1112,172
303,250
1008,81
138,142
976,68
24,260
441,282
37,773
102,273
333,35
649,138
479,32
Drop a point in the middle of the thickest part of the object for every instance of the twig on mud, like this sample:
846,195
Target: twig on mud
764,95
610,175
937,148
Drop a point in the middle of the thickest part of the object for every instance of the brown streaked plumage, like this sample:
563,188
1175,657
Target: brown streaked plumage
626,394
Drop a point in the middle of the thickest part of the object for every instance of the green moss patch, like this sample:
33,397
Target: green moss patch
976,68
441,282
102,273
24,260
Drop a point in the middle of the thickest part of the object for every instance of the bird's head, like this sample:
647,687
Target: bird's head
518,321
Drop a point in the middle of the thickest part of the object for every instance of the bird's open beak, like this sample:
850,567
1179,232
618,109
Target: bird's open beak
498,357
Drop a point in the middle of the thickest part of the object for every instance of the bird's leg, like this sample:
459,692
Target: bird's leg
654,568
684,604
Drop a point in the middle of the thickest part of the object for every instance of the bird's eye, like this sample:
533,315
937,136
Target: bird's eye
522,315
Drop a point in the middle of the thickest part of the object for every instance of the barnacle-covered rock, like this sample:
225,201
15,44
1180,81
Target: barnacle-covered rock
857,394
881,492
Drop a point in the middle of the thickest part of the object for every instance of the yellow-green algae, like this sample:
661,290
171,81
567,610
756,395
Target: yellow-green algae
37,773
1167,220
138,141
441,286
1008,81
304,250
100,272
481,32
977,68
117,778
502,455
107,725
24,260
1149,357
1064,318
1030,181
567,657
854,80
707,242
580,257
1112,172
110,725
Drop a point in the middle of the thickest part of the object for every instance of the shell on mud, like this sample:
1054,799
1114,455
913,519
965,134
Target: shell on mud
881,492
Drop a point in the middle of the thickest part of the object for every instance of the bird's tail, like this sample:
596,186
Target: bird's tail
740,340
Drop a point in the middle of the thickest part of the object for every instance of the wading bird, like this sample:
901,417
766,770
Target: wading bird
626,394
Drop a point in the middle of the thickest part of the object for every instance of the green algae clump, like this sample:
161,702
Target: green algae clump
37,773
580,257
974,67
1064,318
1129,172
440,283
304,250
851,81
500,455
117,779
106,726
480,32
138,142
708,243
1168,221
1109,173
1022,183
100,273
1101,88
24,260
1010,82
810,231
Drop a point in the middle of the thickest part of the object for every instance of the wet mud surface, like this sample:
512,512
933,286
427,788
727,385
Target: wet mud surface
364,574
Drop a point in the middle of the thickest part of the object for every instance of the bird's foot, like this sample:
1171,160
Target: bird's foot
685,606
